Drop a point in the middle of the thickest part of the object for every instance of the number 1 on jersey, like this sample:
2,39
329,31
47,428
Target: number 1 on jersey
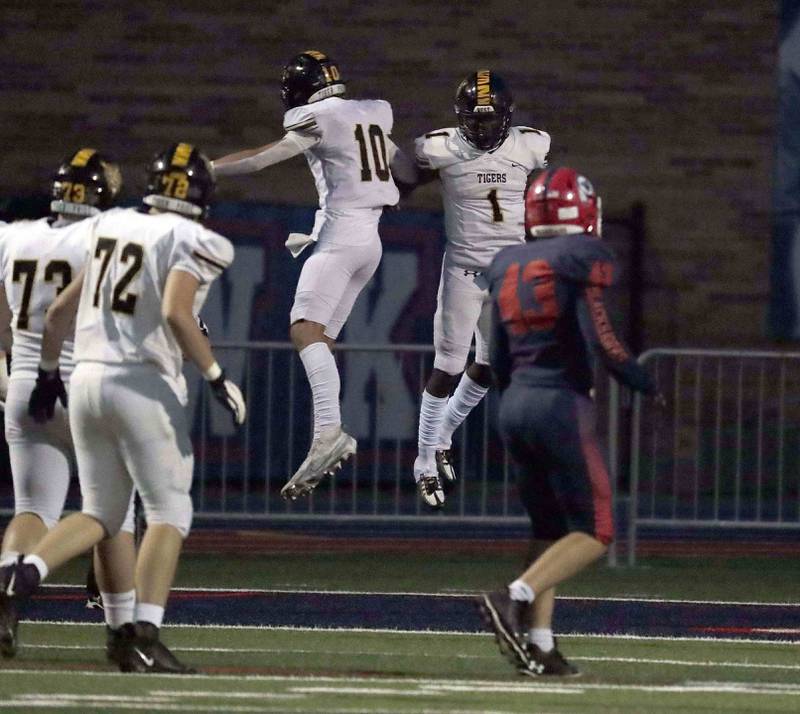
497,213
378,145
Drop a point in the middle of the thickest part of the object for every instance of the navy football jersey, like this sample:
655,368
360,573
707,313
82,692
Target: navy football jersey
550,318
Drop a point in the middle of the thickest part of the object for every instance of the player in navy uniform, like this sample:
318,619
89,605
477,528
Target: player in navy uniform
548,320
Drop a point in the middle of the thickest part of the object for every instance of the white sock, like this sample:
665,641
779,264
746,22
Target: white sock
41,566
323,376
8,557
118,608
431,413
520,590
542,637
466,397
146,612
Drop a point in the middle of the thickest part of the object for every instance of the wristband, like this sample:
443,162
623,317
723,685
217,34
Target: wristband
47,365
213,372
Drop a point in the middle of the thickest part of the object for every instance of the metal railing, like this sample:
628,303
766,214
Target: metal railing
724,452
239,473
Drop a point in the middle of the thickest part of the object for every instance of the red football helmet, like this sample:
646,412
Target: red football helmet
560,201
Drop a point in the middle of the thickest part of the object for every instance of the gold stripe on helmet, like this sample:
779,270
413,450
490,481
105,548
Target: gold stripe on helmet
82,157
183,153
316,54
484,87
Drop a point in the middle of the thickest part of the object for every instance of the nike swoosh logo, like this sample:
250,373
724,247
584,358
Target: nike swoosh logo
518,166
147,660
10,588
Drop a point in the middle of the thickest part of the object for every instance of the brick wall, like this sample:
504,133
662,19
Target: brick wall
663,101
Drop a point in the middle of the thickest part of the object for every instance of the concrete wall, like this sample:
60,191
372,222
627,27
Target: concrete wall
663,101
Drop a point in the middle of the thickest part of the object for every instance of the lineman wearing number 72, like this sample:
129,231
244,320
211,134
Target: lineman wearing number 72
352,158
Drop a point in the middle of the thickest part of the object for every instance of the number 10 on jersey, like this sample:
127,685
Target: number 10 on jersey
378,145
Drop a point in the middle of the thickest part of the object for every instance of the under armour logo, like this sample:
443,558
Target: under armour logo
473,273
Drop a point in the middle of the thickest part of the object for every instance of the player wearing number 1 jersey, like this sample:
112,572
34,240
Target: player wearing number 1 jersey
483,165
352,157
147,273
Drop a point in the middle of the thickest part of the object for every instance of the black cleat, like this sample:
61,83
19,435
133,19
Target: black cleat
118,641
146,653
550,663
444,464
504,617
18,582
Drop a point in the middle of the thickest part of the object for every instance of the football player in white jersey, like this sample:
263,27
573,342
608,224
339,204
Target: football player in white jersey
483,165
37,261
147,275
352,157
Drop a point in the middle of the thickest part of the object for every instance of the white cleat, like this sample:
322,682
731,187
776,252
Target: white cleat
444,464
324,458
429,484
430,490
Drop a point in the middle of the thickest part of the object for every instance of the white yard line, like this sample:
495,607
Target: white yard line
387,631
418,655
529,685
449,594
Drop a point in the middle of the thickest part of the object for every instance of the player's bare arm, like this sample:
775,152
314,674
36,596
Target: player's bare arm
5,322
58,322
176,309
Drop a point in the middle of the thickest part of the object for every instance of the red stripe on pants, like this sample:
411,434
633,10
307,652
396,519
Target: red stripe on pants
598,475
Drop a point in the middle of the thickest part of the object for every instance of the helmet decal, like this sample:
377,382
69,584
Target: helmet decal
183,153
483,81
82,157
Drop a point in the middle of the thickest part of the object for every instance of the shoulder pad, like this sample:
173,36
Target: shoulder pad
537,142
587,260
435,150
300,119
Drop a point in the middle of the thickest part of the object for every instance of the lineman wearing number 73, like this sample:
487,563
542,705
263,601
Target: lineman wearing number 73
350,153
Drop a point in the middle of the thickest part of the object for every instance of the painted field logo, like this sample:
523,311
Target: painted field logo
484,86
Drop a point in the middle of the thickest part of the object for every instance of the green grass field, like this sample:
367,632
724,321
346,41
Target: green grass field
252,669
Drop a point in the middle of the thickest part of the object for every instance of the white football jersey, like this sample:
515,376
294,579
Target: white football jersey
482,191
131,253
350,161
37,261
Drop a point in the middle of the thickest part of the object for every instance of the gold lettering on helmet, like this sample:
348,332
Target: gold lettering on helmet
82,157
182,154
316,54
484,87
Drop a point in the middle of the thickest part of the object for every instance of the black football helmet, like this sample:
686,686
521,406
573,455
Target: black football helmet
484,106
309,77
85,184
179,179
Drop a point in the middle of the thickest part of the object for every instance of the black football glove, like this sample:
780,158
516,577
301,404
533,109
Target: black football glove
49,387
230,396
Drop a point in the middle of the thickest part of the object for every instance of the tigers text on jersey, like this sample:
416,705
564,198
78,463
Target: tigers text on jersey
482,191
131,253
37,261
350,161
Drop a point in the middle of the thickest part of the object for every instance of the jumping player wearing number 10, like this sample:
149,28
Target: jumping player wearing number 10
352,157
483,165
